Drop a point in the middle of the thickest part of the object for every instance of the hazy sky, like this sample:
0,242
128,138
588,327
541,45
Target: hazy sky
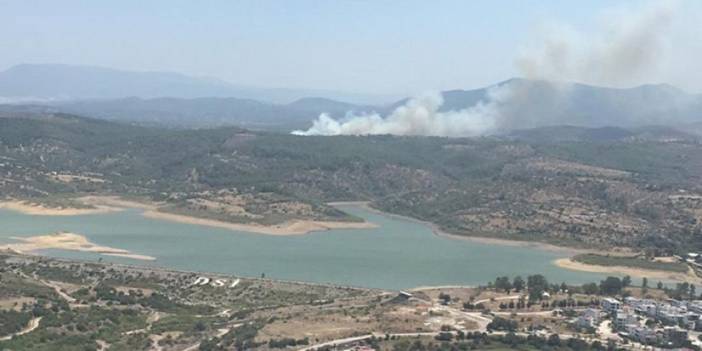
397,47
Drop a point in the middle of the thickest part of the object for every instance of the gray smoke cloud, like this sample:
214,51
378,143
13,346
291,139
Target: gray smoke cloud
628,47
419,116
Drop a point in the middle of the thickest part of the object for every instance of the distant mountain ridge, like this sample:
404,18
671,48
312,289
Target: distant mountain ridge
209,112
52,82
198,112
176,100
538,103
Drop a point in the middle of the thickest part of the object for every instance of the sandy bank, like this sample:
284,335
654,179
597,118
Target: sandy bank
42,210
67,241
294,227
118,202
690,276
106,204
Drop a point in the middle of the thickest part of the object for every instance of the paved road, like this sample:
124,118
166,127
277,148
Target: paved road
363,337
513,297
382,335
337,341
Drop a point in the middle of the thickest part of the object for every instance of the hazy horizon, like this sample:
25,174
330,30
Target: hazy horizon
367,47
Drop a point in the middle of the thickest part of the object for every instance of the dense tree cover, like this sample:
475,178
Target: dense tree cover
285,342
518,283
611,286
683,291
502,324
481,341
590,288
536,285
503,283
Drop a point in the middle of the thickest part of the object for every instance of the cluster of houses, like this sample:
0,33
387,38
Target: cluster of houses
646,321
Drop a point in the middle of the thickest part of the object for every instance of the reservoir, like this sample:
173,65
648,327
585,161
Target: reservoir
398,254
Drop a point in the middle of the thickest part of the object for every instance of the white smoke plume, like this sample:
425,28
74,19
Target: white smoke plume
419,116
628,46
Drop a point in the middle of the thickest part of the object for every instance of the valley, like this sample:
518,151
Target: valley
635,193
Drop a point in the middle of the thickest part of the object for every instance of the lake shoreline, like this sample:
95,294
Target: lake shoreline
67,241
417,250
436,230
212,274
37,209
293,227
565,263
102,204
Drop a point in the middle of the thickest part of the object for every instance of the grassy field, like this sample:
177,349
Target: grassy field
629,261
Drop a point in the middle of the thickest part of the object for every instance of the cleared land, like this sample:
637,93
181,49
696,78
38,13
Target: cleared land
631,261
686,276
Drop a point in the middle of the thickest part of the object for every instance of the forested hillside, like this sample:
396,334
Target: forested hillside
631,188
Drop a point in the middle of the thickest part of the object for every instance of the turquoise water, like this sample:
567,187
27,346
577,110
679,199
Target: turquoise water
399,254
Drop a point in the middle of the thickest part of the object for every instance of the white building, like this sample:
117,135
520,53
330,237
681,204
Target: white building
642,306
610,305
590,318
672,315
624,319
642,334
